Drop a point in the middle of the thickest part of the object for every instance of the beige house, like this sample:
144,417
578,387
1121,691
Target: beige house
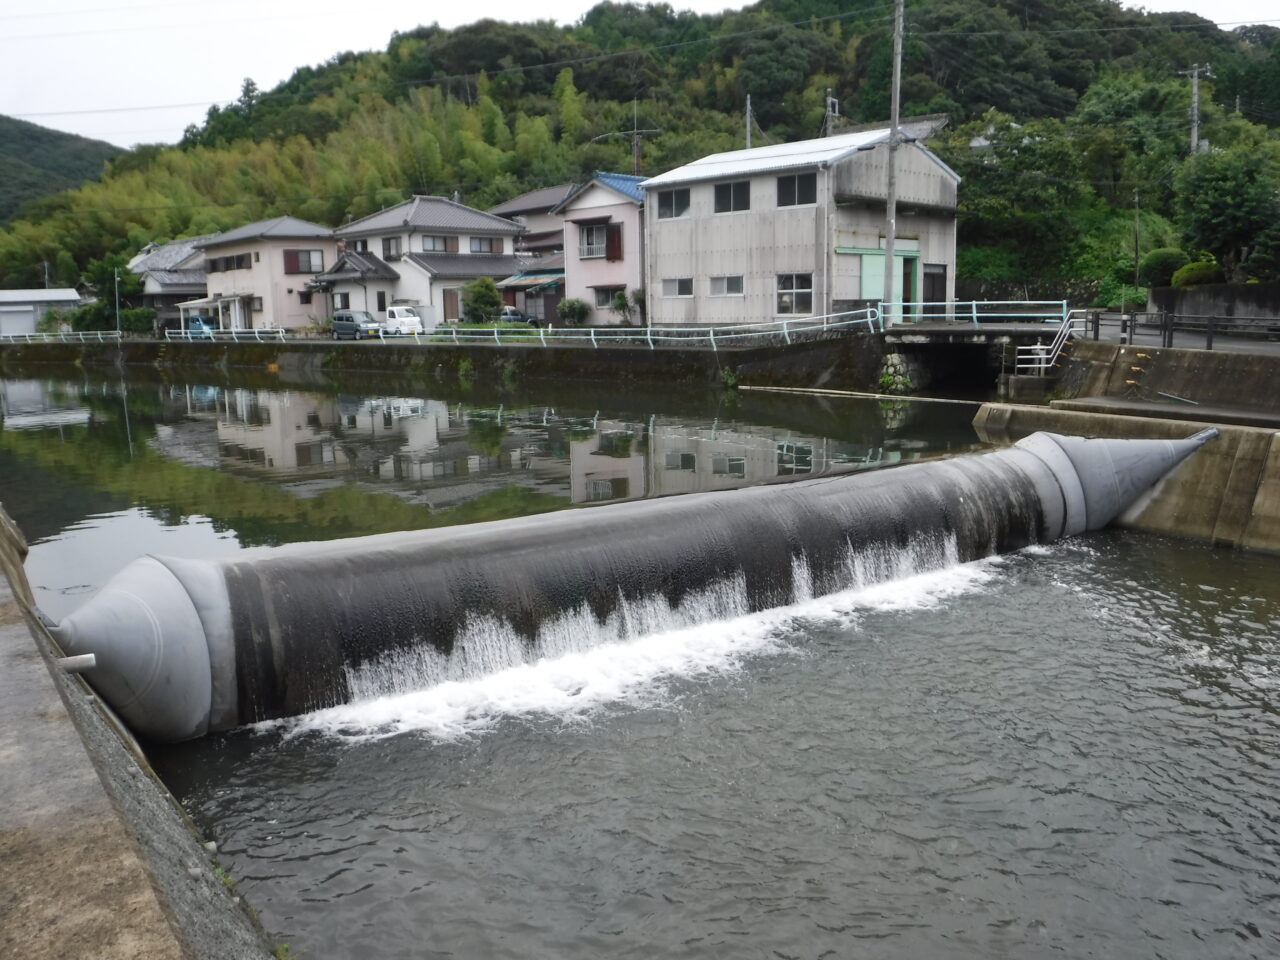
543,230
419,253
797,229
603,242
259,276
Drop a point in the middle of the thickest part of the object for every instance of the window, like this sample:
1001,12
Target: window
615,488
434,244
681,461
604,295
256,257
677,287
360,246
726,286
673,203
729,466
794,458
303,261
795,293
486,245
341,301
304,296
255,304
797,188
390,248
731,197
382,301
591,240
240,261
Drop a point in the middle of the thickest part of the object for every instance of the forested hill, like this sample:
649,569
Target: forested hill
35,161
1078,106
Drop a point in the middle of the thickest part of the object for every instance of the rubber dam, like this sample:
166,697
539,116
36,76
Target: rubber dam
183,647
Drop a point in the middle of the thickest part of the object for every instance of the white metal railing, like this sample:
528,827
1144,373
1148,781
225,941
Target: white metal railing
1036,359
973,312
715,337
235,336
67,336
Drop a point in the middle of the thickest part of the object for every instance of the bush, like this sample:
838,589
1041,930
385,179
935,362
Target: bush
1194,274
621,305
1115,295
573,311
1157,267
481,300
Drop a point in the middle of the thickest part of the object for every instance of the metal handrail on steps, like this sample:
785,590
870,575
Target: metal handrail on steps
1037,359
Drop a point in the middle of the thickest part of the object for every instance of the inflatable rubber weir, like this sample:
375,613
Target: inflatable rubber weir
188,647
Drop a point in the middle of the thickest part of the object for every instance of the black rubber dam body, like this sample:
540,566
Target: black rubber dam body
187,647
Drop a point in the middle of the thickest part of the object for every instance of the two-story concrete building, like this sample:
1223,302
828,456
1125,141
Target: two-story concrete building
420,253
796,229
604,239
259,275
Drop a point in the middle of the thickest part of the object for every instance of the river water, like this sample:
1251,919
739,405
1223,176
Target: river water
1070,751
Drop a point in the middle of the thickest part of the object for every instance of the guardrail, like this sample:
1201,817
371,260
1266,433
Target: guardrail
973,312
1036,359
235,336
69,336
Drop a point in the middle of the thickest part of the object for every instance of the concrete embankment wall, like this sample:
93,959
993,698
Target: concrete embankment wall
846,361
1227,494
1098,368
98,859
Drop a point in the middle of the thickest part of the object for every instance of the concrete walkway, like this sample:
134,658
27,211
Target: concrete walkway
74,882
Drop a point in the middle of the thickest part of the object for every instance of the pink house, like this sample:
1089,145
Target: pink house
603,242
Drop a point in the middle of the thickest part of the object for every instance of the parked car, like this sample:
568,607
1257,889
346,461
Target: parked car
402,320
197,326
354,325
511,315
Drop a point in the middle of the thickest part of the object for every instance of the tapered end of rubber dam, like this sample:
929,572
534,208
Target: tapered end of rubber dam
188,647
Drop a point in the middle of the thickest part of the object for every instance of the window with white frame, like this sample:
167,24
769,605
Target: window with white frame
729,466
390,247
673,203
677,287
605,295
726,286
795,294
303,261
341,301
486,245
360,246
732,197
592,240
681,461
797,188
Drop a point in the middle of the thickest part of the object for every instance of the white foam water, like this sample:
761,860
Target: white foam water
573,669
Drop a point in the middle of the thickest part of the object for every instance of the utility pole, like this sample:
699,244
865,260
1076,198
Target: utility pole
891,191
832,114
1135,246
117,301
748,121
1194,74
636,136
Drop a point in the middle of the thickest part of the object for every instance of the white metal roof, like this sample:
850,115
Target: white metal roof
777,156
39,295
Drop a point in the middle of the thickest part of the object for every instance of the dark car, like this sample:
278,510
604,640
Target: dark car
512,315
354,325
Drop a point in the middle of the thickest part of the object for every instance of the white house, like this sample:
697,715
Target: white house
20,309
259,275
603,241
172,273
420,252
796,229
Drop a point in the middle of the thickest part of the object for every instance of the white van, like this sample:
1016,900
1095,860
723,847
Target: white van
402,320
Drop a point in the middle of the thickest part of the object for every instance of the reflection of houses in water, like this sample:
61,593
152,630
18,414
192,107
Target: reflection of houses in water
610,464
36,405
284,433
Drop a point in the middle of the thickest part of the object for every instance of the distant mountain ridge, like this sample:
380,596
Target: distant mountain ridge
36,161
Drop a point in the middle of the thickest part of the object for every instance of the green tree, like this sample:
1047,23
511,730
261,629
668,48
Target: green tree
480,300
1227,199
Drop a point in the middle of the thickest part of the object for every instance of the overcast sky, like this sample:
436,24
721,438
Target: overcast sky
139,71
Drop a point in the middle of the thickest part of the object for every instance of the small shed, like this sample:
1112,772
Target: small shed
20,309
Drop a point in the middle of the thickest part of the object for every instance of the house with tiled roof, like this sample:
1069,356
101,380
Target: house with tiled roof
603,242
259,275
419,253
543,230
171,273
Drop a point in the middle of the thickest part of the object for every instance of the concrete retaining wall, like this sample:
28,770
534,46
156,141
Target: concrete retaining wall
845,361
1228,494
1258,300
1099,368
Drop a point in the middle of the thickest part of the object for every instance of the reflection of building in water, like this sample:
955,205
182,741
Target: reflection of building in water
36,405
609,464
283,433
